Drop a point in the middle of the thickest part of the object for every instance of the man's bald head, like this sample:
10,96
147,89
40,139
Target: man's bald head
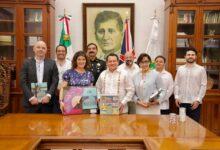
40,49
40,43
129,59
129,55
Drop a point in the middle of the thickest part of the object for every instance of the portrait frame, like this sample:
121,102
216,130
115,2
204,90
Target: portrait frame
90,11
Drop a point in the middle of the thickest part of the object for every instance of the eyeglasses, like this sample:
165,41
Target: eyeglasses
145,62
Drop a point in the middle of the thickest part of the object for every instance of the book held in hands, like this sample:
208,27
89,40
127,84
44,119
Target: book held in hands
109,105
89,98
155,95
77,99
39,90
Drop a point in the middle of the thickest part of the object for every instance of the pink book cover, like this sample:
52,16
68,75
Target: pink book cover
73,100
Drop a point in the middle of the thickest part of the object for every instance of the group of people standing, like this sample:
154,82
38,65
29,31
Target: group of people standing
134,83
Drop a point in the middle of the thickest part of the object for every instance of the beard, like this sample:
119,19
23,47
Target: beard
91,52
128,62
190,60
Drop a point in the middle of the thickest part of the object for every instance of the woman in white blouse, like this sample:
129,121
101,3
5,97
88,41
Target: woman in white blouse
147,82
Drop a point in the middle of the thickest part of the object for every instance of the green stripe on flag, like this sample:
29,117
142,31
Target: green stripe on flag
65,38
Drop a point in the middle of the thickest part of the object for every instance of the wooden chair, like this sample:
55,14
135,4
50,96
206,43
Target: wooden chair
4,87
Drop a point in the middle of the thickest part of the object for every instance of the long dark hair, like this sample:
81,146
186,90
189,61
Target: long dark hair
74,60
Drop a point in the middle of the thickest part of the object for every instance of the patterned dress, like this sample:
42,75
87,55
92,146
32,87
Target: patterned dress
75,78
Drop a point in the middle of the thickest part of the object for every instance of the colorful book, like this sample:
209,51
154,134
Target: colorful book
89,98
77,99
72,100
109,105
39,90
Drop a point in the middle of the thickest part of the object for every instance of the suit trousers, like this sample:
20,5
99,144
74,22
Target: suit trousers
194,114
40,108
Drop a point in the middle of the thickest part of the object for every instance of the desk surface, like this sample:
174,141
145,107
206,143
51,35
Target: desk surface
98,126
183,143
104,127
18,143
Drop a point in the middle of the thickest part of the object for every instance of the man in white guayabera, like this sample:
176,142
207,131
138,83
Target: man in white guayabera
190,85
115,82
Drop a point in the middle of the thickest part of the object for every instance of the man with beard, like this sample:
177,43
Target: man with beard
63,64
190,85
130,68
97,65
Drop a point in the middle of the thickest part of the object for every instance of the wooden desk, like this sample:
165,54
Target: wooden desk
183,143
18,143
124,128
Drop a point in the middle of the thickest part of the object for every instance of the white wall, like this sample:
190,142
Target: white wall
144,10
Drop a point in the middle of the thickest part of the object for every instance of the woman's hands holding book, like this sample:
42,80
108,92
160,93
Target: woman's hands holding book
143,104
154,102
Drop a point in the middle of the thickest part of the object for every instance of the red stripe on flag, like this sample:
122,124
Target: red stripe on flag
122,58
61,19
127,37
67,25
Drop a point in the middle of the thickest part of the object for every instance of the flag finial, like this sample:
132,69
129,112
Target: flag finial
155,13
64,13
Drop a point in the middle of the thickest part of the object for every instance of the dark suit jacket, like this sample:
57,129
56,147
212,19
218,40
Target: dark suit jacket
28,75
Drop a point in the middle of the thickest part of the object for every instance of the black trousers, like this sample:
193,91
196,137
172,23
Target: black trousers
56,105
40,108
194,114
164,111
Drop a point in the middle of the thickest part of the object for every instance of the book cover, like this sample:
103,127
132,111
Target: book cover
155,95
89,98
109,105
39,90
72,99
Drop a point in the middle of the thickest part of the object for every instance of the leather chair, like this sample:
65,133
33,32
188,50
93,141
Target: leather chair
4,87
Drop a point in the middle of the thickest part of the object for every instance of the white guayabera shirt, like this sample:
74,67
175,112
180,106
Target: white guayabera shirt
116,83
190,83
61,69
129,70
168,87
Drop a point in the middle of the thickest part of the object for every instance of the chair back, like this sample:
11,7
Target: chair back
5,72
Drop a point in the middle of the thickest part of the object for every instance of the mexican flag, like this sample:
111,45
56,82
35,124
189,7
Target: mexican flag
65,36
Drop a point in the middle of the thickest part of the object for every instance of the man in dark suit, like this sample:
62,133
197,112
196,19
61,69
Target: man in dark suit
39,70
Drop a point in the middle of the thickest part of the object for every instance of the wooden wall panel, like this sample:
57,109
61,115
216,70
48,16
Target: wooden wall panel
210,114
16,103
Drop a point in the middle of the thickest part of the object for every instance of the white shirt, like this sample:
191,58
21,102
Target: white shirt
62,68
39,70
116,83
129,70
168,87
190,83
40,73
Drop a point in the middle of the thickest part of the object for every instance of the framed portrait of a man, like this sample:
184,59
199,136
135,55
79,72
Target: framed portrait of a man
103,24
